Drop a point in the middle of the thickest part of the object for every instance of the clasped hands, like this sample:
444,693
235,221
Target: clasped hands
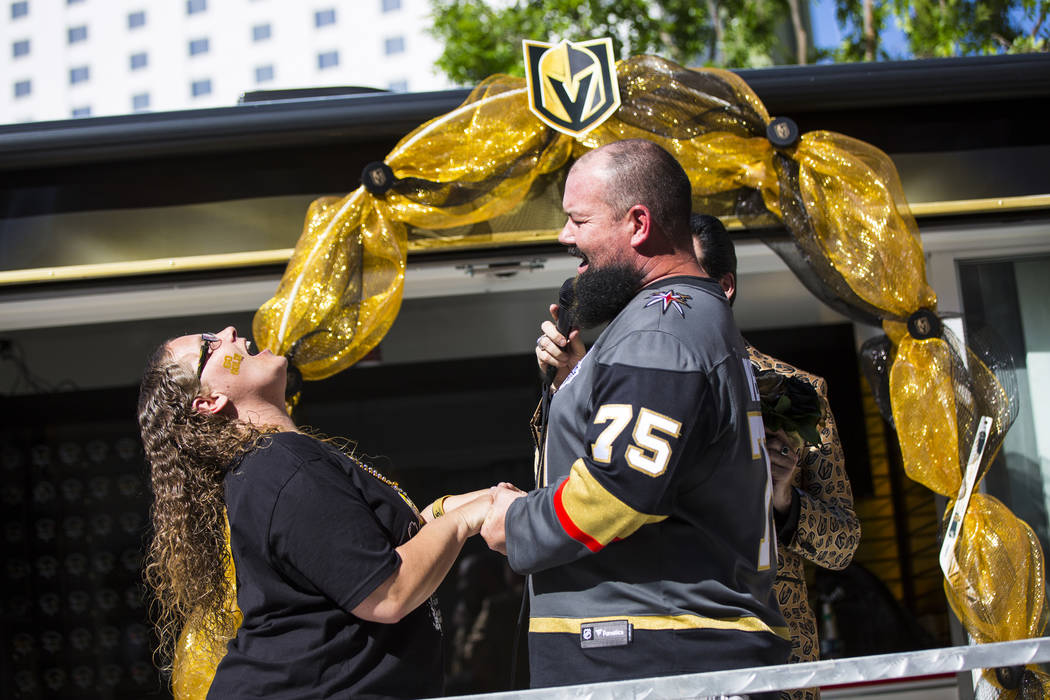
493,528
483,511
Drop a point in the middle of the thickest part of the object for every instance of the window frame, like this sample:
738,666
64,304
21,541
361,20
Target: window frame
75,72
77,34
203,82
199,46
260,69
323,55
325,17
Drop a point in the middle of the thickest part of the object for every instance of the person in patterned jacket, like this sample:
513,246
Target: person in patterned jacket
649,542
812,499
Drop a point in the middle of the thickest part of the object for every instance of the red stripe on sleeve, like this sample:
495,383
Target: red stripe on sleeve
569,526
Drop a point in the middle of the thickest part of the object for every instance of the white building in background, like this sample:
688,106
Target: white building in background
78,58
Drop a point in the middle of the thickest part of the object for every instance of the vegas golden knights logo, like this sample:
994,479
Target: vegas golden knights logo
572,86
923,326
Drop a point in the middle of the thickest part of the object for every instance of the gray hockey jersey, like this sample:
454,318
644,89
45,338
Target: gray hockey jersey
650,541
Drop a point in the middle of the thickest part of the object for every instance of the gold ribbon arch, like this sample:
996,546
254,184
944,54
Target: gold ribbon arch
853,242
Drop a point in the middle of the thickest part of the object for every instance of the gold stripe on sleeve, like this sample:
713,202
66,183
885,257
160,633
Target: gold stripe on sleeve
597,512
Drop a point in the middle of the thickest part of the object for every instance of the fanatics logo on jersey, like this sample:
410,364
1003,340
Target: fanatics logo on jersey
670,298
609,633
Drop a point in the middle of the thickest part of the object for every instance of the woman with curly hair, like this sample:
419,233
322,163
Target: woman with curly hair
335,567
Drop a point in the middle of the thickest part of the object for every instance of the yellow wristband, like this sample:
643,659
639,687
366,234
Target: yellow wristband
438,509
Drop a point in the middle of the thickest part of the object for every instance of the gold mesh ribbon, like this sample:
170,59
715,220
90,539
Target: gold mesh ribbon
923,400
861,222
854,243
998,592
343,286
198,651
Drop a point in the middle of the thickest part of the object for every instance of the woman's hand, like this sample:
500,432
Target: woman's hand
784,457
473,512
447,504
494,528
482,504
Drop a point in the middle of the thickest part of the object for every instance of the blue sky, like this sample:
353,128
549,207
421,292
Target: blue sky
826,32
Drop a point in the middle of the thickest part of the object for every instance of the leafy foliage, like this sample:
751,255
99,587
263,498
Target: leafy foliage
942,28
483,37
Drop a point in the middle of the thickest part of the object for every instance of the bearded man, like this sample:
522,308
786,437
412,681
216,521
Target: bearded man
649,539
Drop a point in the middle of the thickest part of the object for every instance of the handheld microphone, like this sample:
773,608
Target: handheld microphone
565,323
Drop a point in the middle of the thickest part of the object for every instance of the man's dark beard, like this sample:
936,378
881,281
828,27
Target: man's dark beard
601,293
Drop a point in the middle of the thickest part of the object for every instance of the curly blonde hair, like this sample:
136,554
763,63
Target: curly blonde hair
189,454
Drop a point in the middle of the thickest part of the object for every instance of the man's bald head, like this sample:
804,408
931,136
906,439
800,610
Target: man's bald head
636,171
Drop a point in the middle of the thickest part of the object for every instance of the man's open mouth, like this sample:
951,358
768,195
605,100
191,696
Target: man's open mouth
576,252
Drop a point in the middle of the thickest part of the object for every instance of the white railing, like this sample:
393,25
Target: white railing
817,673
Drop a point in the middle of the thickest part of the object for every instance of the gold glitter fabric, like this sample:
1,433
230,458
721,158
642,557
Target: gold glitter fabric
998,592
198,653
343,286
490,166
860,222
923,402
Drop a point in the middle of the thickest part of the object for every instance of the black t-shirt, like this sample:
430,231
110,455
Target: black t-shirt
312,536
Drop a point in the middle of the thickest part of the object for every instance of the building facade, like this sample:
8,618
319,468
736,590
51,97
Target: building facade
78,58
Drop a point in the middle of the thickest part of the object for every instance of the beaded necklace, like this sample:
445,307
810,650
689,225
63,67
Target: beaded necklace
346,448
389,482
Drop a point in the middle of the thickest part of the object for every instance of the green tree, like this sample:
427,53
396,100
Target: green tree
862,23
956,28
481,39
941,28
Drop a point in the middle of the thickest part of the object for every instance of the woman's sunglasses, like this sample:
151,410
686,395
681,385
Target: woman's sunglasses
208,341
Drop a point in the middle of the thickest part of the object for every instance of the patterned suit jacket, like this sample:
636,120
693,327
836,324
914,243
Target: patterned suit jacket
828,531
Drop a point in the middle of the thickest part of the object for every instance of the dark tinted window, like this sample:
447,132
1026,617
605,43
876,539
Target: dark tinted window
323,17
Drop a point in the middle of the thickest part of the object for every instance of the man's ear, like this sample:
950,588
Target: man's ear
728,284
210,404
641,222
